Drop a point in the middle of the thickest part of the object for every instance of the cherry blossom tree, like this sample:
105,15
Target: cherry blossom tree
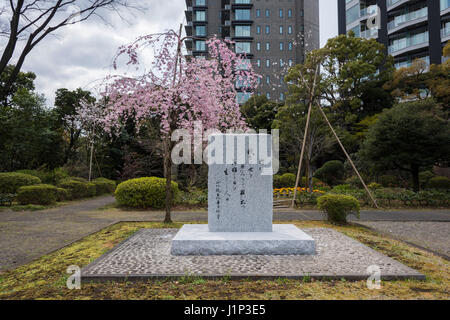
178,90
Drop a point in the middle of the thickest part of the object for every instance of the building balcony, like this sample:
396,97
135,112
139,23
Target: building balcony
445,33
408,44
241,4
412,18
394,4
369,34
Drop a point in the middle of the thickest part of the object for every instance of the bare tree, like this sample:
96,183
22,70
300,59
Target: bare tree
33,20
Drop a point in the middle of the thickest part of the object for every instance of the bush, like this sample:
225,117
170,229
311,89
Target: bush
63,194
104,185
374,186
43,194
332,172
7,199
425,177
337,207
10,182
286,180
78,189
441,183
388,181
149,192
44,176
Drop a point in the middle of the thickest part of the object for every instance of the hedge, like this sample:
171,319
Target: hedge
104,185
442,183
43,194
338,206
148,192
78,189
286,180
10,182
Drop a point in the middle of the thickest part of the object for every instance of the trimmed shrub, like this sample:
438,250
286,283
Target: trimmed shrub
388,181
78,189
10,182
316,183
374,186
332,172
286,180
62,194
440,183
425,177
46,177
104,185
149,192
337,207
43,194
7,199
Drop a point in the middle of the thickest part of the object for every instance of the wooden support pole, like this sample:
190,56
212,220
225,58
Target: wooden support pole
348,157
311,98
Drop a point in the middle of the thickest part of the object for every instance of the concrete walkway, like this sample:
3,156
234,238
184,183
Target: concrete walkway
25,236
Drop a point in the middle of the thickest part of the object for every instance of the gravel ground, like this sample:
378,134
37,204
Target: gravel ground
147,254
434,236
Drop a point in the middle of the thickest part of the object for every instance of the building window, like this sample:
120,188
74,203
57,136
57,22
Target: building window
352,14
290,13
242,31
281,63
267,46
242,14
242,97
291,62
258,46
267,63
268,96
258,63
267,13
200,31
200,2
282,96
200,15
258,13
281,46
244,65
290,30
281,29
200,45
281,13
258,29
267,29
290,46
242,47
267,79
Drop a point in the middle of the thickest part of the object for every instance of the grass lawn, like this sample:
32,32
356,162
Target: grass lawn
46,277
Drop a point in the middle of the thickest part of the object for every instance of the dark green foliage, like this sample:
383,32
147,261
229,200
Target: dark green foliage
442,183
6,199
104,185
259,113
408,137
149,192
45,176
424,178
10,182
388,180
332,172
337,207
43,194
63,194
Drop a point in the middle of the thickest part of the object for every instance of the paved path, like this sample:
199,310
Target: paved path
25,236
434,236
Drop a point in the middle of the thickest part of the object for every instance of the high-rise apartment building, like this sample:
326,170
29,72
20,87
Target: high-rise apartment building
409,29
272,34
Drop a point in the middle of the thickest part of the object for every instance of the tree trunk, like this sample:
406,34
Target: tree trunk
415,176
168,176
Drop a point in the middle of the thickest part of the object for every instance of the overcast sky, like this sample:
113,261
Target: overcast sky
81,55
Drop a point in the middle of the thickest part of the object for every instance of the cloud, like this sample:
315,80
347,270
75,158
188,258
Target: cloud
81,55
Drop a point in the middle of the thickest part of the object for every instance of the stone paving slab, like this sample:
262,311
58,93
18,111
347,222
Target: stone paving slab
146,255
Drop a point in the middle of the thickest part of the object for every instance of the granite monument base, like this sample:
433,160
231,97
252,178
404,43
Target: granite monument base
285,239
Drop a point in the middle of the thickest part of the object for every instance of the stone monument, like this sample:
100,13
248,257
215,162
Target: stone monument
240,204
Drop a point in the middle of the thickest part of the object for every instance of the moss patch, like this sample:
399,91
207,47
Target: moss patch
46,277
